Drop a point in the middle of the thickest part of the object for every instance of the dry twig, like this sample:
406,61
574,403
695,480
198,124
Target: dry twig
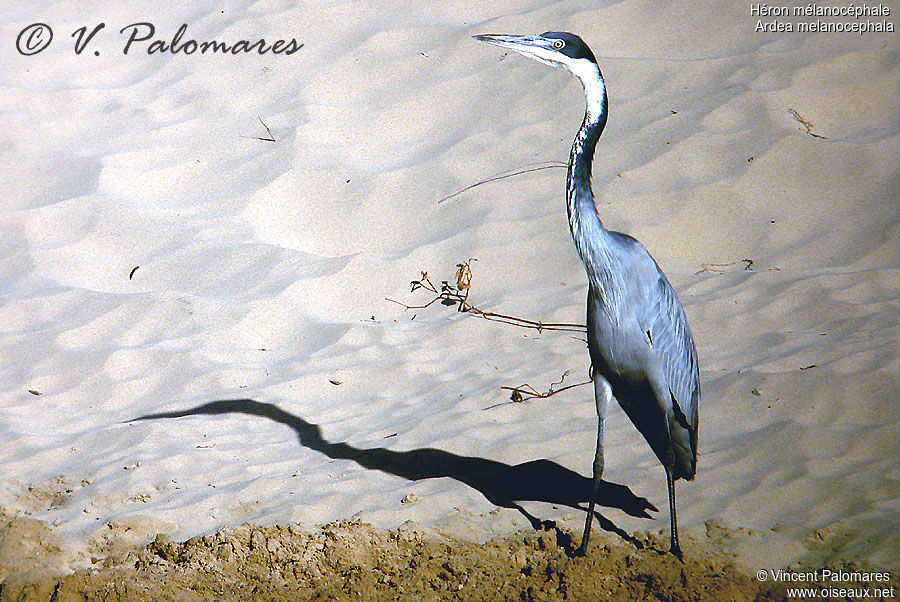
505,174
525,392
807,126
457,295
271,137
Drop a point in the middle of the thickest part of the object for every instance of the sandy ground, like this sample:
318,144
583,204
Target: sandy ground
197,253
354,561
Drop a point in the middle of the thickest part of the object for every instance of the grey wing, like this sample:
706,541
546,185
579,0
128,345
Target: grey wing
673,343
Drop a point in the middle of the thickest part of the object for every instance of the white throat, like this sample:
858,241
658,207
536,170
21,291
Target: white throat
588,74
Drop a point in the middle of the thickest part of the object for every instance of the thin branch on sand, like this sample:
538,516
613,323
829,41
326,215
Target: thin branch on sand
525,392
807,126
506,174
457,294
271,137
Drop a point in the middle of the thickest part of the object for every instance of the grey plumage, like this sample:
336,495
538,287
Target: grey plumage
640,344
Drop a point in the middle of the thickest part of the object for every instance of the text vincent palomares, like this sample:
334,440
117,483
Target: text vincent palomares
142,33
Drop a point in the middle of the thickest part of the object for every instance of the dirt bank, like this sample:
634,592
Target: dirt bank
354,561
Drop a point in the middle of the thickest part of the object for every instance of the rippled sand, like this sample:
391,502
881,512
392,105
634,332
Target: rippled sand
160,258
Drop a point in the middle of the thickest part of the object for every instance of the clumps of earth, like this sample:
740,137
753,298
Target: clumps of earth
354,561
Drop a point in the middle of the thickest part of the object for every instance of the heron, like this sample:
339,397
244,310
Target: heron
641,348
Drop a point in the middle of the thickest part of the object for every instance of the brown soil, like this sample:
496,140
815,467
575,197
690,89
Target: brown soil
354,561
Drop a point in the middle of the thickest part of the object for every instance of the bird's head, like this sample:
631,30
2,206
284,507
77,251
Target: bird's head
554,48
561,49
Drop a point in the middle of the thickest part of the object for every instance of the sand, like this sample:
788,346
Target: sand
355,561
164,259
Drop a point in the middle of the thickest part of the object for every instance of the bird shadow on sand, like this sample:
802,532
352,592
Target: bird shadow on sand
502,484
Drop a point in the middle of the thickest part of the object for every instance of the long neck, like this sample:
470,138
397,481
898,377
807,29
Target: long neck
587,230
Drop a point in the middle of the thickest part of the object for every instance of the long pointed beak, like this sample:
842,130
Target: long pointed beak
534,47
517,43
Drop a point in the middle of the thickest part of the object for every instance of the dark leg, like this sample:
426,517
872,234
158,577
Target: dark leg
598,475
675,549
602,396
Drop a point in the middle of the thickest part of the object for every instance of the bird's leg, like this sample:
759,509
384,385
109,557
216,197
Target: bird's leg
675,549
602,396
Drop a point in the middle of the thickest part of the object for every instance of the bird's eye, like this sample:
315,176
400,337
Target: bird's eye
559,44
